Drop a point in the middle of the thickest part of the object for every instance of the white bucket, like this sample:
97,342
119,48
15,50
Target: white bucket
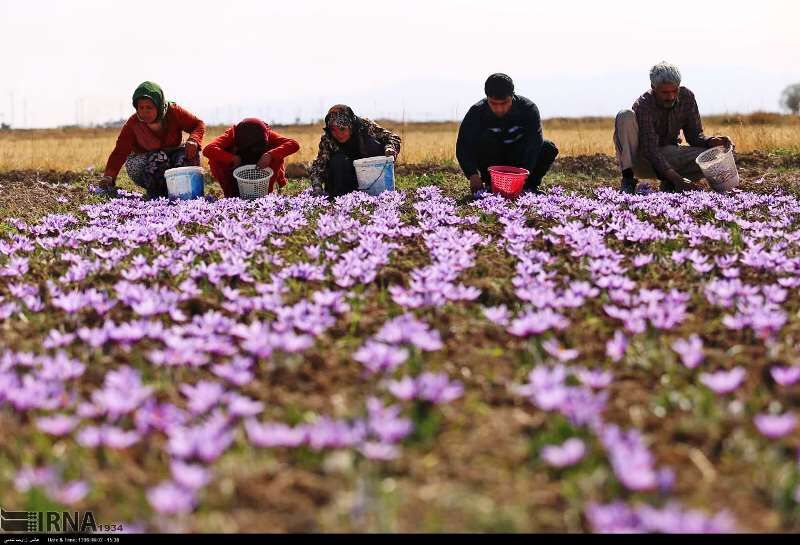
719,168
375,174
185,183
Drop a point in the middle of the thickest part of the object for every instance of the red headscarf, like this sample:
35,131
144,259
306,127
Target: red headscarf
250,137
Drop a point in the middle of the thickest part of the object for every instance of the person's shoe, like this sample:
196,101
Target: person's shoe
628,185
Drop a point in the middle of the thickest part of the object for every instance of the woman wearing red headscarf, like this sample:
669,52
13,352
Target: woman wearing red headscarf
250,142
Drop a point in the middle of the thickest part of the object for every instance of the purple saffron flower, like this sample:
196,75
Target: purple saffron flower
690,351
378,357
724,382
243,406
613,518
189,476
329,433
630,459
775,426
94,337
567,454
385,422
59,424
56,339
274,435
594,378
169,498
437,388
90,437
554,348
207,441
536,322
618,517
616,347
405,388
71,493
292,343
122,392
379,451
117,438
499,315
786,376
203,396
237,372
39,477
407,329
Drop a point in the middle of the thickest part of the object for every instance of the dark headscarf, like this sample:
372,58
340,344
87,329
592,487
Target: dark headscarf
250,137
343,116
153,91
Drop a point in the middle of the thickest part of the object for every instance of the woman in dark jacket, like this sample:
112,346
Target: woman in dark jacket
346,138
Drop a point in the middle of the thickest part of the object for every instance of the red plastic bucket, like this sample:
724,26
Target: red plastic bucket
508,181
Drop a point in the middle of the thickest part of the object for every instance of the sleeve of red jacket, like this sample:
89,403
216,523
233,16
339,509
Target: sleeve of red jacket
217,149
122,149
279,146
190,123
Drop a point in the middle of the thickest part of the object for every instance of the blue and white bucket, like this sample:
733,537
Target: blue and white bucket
185,183
375,174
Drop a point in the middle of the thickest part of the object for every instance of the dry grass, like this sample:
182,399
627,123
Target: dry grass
423,143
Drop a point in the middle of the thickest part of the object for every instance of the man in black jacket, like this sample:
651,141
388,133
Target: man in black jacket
503,129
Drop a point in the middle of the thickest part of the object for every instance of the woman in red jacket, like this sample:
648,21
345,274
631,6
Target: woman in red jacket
250,142
150,141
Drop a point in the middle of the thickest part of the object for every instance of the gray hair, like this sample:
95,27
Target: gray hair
665,72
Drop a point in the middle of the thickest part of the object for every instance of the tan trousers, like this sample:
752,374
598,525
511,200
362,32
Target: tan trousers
626,141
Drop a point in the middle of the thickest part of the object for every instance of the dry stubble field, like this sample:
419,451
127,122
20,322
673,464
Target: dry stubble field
423,143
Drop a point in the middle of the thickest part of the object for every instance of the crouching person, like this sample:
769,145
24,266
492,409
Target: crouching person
347,137
150,142
249,142
646,136
503,129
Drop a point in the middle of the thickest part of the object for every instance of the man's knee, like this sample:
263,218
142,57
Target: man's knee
549,150
626,116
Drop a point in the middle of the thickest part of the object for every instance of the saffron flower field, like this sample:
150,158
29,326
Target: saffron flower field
573,361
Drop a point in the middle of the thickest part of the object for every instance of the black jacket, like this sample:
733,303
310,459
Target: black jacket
519,130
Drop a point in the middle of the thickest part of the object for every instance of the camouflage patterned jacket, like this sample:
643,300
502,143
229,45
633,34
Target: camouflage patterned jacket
318,171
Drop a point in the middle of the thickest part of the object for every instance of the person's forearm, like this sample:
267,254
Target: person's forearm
673,176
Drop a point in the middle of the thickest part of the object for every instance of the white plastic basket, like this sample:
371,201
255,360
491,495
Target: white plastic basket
719,168
253,182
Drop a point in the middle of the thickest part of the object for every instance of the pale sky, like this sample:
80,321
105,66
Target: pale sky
79,61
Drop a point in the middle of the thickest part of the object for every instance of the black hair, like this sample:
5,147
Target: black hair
499,86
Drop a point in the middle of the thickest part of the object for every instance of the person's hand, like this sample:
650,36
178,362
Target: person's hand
107,183
191,150
265,160
236,161
673,176
723,141
475,182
